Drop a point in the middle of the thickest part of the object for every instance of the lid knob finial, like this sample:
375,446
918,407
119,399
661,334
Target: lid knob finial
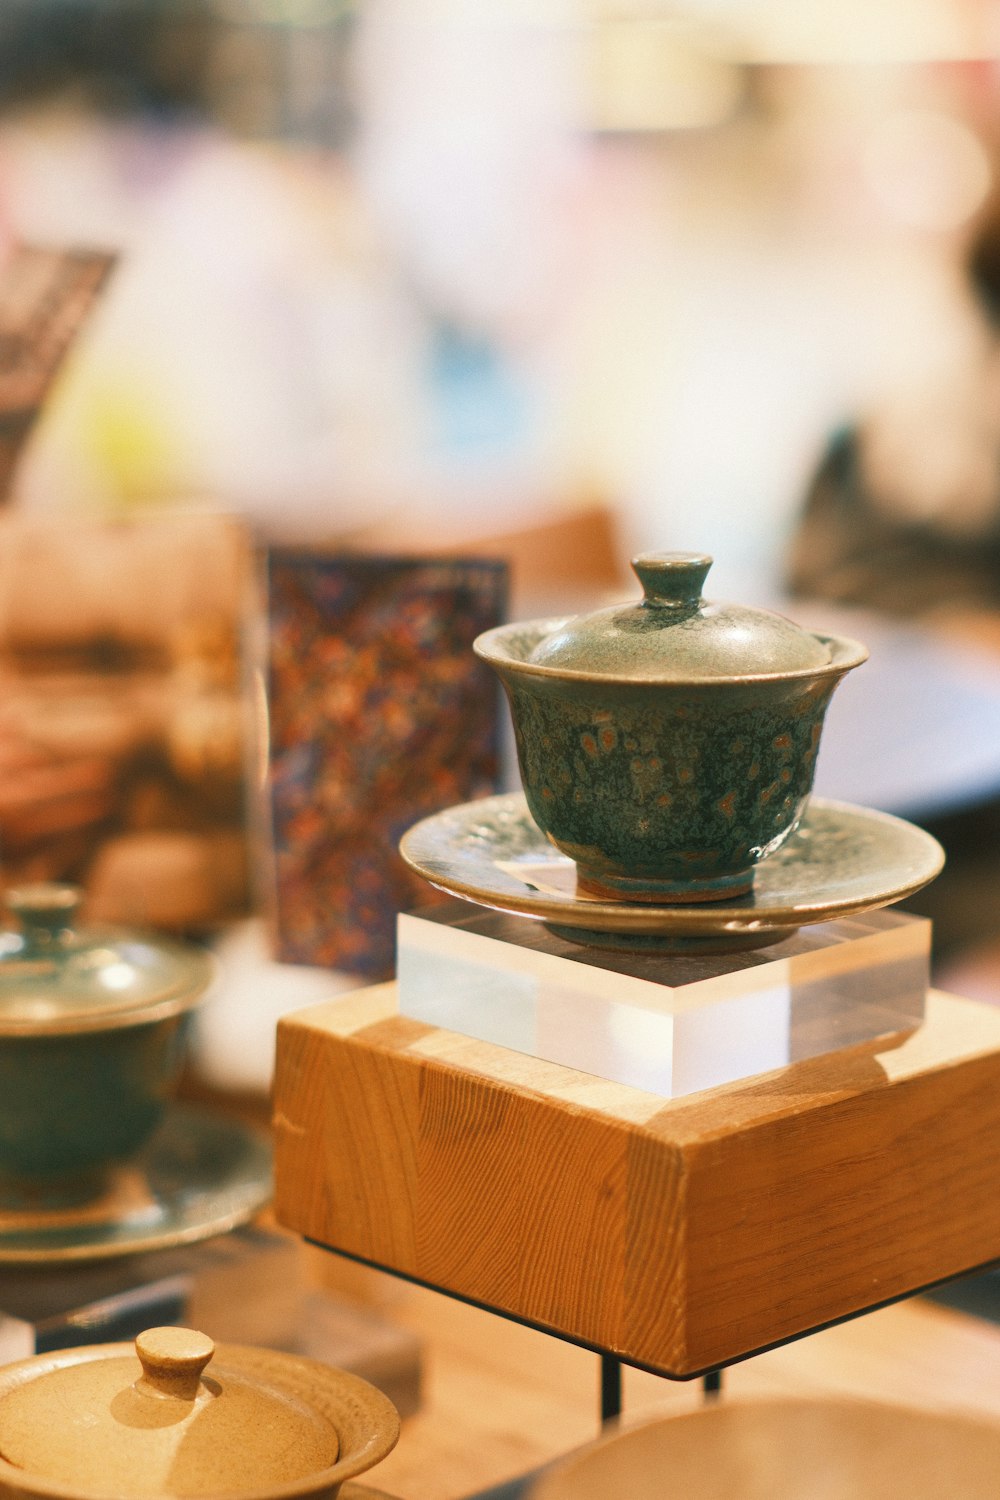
45,910
672,580
172,1360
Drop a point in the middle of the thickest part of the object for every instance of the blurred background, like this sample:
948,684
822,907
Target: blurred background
390,261
559,281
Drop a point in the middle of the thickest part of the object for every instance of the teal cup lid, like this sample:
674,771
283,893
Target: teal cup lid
56,977
673,634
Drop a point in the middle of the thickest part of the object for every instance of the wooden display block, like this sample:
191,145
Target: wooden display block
678,1234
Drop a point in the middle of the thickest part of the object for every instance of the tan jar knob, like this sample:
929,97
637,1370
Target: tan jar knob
172,1360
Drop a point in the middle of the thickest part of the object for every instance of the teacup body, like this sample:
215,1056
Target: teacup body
74,1105
664,791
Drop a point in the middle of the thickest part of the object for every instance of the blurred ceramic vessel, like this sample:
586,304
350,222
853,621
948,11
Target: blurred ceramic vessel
668,745
93,1027
113,1420
787,1448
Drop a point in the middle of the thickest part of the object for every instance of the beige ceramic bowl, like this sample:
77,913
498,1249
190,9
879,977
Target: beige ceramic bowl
116,1421
789,1450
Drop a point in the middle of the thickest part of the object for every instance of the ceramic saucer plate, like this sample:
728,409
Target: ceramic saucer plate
841,860
200,1175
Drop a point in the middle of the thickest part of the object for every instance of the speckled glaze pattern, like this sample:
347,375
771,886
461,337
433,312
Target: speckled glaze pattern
77,1423
670,791
664,791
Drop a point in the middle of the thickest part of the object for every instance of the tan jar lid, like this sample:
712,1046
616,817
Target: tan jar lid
158,1425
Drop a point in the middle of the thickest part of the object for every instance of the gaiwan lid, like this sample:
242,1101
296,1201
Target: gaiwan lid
673,634
100,1422
57,978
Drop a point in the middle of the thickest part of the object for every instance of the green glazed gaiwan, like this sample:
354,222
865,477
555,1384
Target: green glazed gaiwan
669,745
93,1028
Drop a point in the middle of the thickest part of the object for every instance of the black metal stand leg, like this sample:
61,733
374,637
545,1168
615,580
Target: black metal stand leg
711,1384
611,1388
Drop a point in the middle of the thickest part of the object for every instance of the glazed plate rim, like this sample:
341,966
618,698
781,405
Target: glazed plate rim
219,1201
450,864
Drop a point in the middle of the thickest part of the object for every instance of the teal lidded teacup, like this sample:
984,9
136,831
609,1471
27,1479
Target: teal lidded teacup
93,1027
669,745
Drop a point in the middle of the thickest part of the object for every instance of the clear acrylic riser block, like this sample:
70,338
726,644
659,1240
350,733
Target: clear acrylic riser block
667,1024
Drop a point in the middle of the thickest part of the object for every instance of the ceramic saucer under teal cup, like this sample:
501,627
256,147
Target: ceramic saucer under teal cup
93,1025
669,745
840,861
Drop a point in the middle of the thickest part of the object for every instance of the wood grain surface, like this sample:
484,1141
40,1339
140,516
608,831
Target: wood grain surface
678,1234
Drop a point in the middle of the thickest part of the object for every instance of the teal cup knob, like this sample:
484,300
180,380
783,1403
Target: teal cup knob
672,580
45,912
